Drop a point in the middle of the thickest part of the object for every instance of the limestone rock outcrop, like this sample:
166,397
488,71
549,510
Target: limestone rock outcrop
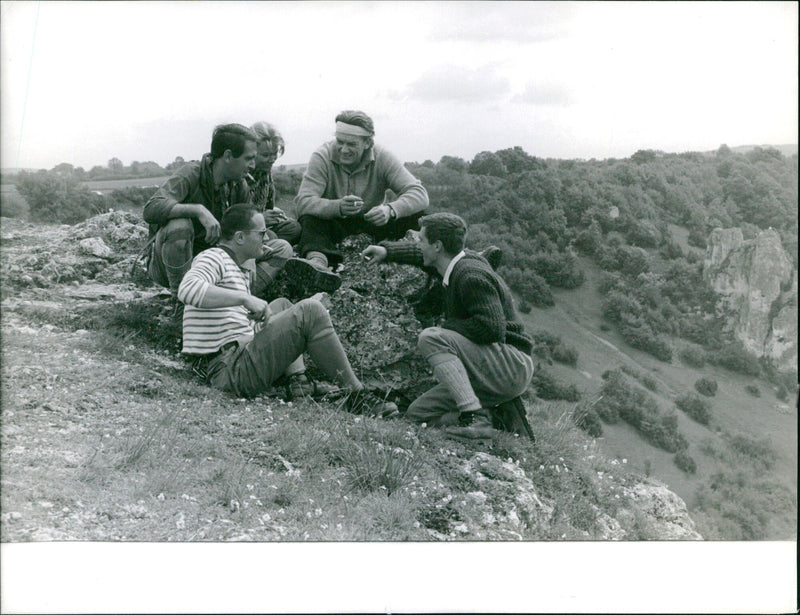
759,284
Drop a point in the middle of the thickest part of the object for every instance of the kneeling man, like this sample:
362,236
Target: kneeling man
481,353
242,344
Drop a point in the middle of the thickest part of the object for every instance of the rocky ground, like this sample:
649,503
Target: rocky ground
106,435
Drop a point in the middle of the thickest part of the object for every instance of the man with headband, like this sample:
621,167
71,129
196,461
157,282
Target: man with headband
343,193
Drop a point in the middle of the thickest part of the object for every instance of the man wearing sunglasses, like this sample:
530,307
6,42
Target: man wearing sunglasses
242,344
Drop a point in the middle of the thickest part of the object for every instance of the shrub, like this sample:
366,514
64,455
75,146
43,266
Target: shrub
13,205
530,286
559,270
685,462
649,383
670,250
753,390
565,354
693,357
525,307
735,358
706,386
643,338
758,451
697,238
782,393
549,387
58,199
695,407
586,418
635,407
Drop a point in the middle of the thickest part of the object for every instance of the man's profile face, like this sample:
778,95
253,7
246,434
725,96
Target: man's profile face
350,148
237,167
429,252
253,245
266,155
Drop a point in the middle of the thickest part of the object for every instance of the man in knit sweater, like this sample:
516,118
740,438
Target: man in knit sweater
343,193
481,353
242,344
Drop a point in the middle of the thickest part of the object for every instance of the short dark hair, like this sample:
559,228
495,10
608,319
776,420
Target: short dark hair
230,137
237,218
448,228
358,118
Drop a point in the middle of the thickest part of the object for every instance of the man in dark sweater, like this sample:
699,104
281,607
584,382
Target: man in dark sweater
481,353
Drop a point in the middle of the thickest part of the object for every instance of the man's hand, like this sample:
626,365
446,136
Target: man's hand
379,216
210,223
374,254
273,216
258,308
350,206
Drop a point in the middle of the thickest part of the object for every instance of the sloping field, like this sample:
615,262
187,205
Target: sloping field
577,317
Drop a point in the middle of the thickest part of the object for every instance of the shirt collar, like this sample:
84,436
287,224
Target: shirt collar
366,158
449,270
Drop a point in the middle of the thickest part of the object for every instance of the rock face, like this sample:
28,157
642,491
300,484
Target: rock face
759,284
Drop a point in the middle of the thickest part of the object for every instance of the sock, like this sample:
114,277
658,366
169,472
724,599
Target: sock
450,371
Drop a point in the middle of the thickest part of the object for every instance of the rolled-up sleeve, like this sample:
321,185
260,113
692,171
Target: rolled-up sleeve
309,198
175,190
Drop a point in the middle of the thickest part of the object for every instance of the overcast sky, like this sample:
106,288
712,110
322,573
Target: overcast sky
83,82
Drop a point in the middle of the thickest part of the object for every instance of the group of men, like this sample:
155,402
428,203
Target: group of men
218,241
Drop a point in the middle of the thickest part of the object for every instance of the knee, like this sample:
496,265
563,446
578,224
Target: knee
178,230
280,248
430,341
280,304
315,316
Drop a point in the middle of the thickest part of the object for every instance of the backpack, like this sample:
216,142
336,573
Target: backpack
510,416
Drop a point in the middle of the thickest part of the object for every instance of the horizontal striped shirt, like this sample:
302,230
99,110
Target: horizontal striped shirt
206,330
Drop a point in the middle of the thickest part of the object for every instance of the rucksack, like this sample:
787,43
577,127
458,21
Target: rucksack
510,416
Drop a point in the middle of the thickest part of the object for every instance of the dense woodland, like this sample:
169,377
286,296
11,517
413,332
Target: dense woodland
545,213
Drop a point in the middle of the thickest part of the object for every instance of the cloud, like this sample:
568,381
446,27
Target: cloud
536,93
458,84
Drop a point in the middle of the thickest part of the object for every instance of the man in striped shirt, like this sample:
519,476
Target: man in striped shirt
244,344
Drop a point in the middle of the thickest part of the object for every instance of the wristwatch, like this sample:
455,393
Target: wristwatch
392,212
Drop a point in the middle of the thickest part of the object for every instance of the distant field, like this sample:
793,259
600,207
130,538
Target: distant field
108,185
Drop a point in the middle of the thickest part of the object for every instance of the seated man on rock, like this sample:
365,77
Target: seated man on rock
240,343
263,194
185,212
481,353
342,194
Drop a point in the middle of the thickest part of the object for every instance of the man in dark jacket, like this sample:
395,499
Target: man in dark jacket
184,213
481,353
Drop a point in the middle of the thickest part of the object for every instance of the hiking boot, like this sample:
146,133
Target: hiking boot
363,401
310,277
494,255
300,386
472,427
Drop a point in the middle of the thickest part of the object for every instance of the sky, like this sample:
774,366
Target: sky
82,82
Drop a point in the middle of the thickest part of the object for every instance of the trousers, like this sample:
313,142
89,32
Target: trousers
497,372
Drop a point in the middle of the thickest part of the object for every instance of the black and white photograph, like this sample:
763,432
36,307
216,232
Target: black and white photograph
398,306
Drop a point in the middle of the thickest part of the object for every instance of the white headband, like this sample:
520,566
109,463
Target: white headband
350,129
